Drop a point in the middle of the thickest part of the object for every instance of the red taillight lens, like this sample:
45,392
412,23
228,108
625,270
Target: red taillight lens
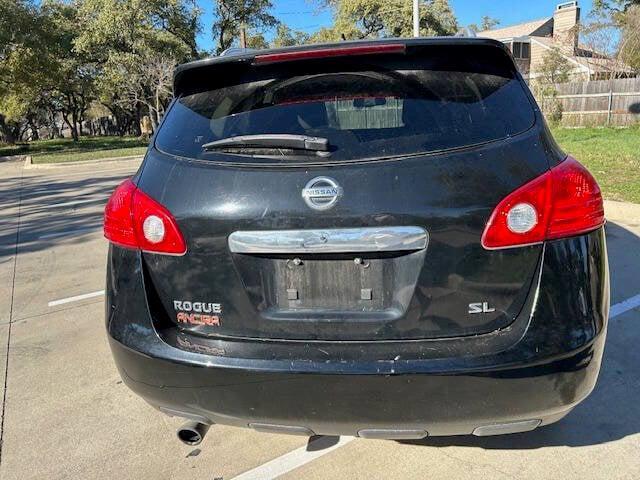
577,201
134,220
118,216
563,202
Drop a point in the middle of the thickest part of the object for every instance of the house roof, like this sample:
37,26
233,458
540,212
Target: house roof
585,58
519,30
540,31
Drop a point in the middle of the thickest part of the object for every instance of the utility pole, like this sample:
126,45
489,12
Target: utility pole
243,36
416,19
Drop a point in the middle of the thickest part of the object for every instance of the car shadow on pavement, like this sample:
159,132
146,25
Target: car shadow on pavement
48,216
612,411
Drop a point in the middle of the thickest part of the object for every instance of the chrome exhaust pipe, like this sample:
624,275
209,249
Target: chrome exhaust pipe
192,433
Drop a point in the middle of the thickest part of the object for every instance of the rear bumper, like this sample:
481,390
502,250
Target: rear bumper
437,404
532,372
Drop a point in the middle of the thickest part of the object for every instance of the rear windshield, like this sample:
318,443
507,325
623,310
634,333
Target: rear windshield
366,108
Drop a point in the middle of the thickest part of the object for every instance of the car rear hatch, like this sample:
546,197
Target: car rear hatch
340,192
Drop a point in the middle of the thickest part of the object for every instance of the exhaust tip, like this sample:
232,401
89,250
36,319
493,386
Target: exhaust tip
192,433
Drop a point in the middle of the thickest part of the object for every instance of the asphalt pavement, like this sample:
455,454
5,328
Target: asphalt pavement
66,414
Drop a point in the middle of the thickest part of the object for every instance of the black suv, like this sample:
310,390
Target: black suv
376,238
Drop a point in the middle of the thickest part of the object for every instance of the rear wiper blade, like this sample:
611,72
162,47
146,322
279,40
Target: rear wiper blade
271,140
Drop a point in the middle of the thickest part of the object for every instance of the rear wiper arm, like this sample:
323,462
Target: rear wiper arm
271,140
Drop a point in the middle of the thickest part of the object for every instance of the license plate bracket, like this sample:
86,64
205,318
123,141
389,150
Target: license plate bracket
353,283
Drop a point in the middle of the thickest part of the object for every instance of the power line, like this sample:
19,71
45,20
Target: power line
296,13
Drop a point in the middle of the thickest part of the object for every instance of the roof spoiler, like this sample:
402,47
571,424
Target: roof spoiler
185,76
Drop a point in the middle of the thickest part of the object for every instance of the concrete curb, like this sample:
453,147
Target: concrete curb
28,162
13,158
623,212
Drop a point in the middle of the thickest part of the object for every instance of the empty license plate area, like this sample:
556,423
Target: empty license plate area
351,283
331,286
366,274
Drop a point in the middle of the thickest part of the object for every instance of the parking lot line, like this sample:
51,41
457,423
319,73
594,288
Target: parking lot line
77,298
292,460
624,306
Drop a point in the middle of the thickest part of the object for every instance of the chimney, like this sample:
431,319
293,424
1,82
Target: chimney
565,26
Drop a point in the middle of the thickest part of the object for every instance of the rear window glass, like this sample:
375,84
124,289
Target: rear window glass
366,108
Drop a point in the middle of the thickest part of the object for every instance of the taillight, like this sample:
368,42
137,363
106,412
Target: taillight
118,216
563,202
134,220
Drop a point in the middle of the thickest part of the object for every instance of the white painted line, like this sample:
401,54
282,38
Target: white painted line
624,306
290,461
77,298
74,202
77,231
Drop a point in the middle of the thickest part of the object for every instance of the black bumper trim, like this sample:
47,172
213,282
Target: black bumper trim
440,404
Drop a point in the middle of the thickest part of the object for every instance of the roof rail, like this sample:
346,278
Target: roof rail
236,51
466,32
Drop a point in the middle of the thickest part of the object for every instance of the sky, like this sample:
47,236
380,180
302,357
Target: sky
306,16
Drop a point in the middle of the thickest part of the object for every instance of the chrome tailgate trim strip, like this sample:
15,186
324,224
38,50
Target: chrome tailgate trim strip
339,240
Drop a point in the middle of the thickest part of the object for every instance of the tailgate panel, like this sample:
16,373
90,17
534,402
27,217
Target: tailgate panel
422,293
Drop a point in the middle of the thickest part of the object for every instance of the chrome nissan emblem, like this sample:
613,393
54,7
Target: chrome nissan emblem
321,193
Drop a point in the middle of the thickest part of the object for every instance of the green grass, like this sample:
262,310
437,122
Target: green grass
612,155
87,148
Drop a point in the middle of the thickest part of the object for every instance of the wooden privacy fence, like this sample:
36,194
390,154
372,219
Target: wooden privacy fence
599,103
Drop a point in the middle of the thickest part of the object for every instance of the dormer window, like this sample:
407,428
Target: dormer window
521,50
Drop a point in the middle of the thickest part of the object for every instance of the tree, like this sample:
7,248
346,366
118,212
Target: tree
611,40
43,72
134,45
58,56
359,19
487,23
614,5
180,18
555,69
630,38
374,18
141,82
232,15
285,37
256,41
325,35
71,85
21,87
16,21
21,65
129,26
